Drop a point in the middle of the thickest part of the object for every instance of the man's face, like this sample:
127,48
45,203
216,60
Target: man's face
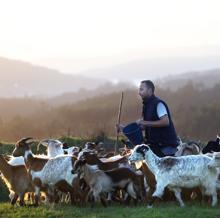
144,91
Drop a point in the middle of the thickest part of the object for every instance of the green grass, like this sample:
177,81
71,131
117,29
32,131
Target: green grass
164,210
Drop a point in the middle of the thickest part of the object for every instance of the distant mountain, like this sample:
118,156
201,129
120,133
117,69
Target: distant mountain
18,78
203,79
154,68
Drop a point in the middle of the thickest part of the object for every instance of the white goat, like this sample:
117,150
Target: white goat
54,147
54,172
178,172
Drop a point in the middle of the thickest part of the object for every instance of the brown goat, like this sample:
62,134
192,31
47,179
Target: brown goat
107,181
188,149
16,179
92,159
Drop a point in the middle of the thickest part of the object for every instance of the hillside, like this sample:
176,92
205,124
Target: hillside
20,78
202,79
154,68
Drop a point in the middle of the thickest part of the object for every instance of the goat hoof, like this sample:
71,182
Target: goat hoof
149,206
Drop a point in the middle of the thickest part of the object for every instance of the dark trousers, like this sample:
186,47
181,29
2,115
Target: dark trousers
156,149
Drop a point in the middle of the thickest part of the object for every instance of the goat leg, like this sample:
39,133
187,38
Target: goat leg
177,192
36,196
21,202
14,199
103,200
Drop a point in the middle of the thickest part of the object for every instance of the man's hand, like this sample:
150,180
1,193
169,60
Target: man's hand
162,122
141,123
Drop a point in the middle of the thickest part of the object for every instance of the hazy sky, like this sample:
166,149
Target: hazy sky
77,35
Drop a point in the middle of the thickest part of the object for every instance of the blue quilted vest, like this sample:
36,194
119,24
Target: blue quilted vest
162,136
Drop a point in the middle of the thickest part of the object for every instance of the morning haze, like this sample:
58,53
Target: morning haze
64,74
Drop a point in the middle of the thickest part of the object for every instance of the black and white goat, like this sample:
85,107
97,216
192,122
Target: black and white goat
178,172
212,146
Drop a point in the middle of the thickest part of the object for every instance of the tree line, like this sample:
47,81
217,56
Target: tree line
195,111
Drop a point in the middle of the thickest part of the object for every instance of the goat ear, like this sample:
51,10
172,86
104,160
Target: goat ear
83,161
25,140
144,148
218,139
57,145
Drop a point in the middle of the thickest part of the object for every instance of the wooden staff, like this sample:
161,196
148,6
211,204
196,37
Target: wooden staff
118,123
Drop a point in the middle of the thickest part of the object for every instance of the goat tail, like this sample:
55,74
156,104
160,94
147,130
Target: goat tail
218,185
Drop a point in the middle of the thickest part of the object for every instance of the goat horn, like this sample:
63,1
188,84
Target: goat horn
45,140
38,146
41,143
25,139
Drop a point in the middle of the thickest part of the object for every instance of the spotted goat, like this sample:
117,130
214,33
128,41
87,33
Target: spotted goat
176,173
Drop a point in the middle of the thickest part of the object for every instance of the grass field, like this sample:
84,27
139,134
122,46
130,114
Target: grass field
164,210
160,210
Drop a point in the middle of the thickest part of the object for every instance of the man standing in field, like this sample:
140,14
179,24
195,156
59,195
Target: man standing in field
156,121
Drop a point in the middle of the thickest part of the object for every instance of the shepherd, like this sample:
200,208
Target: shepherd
156,122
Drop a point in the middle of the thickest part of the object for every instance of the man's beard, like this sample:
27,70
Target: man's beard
145,98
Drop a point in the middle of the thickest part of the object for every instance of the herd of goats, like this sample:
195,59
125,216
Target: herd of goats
90,174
